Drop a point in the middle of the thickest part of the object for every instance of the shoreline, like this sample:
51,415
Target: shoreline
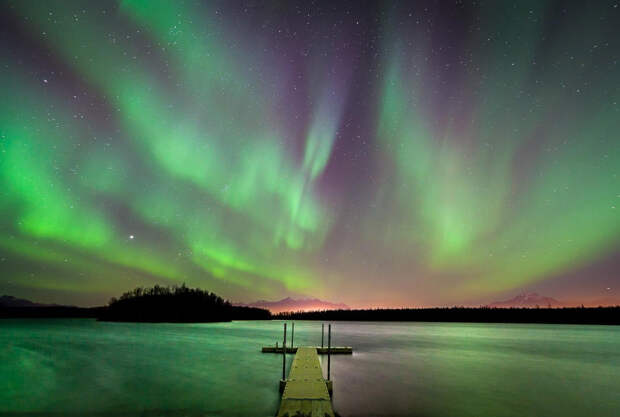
609,316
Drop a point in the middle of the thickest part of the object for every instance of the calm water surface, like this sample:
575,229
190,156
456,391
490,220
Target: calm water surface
83,367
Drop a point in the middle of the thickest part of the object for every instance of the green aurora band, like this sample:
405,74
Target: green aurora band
165,147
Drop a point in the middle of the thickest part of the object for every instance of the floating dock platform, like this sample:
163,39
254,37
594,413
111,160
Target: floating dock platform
319,350
306,393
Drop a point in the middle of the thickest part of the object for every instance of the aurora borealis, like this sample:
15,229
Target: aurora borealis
384,154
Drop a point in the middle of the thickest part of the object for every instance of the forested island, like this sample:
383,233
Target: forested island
176,305
565,315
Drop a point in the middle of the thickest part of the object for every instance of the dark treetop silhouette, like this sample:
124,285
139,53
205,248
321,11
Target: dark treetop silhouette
566,315
177,304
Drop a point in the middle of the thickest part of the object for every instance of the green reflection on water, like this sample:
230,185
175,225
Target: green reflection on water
83,367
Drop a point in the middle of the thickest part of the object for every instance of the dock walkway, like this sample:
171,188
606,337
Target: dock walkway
305,392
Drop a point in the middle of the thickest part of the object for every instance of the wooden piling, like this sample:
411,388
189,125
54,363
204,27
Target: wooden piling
329,351
284,355
292,334
322,333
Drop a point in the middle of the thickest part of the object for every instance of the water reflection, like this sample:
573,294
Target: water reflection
83,367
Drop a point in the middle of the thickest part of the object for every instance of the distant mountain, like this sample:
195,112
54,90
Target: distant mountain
290,304
12,307
527,300
10,301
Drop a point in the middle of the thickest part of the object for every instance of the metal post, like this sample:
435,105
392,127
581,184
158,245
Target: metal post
292,334
284,355
329,350
322,333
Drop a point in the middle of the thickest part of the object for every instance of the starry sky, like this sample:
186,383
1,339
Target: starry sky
371,153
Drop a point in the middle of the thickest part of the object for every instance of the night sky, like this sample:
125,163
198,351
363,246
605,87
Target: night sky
377,154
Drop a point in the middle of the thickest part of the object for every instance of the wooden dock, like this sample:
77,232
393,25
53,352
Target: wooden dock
306,391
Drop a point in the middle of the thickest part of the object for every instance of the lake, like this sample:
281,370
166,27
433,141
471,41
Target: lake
88,368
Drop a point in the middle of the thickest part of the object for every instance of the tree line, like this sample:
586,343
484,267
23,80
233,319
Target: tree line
566,315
